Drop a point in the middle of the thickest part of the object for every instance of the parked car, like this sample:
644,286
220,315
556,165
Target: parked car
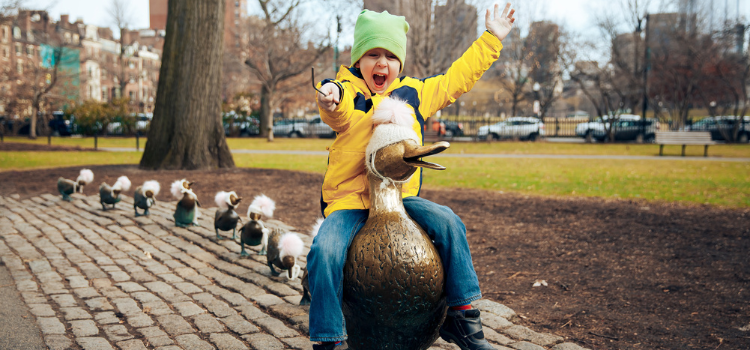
242,128
59,125
453,129
142,122
291,128
627,127
524,128
318,128
720,125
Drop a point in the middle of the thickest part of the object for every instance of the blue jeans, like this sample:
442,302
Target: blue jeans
325,262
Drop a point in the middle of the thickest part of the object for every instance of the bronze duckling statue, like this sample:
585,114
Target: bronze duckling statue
392,265
111,195
283,251
145,196
67,187
186,212
254,232
226,217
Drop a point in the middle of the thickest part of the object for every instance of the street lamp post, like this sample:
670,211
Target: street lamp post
536,100
336,46
646,64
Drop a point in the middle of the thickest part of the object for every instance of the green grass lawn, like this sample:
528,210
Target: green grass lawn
85,142
713,182
287,144
40,160
718,183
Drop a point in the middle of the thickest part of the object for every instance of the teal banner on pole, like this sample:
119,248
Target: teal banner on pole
68,61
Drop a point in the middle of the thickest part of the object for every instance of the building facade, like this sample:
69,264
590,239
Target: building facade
87,58
234,12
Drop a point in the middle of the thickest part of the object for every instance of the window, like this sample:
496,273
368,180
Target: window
131,95
17,32
67,37
19,66
6,52
75,39
29,50
5,34
18,49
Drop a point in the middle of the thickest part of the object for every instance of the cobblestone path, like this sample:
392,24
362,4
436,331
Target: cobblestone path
107,280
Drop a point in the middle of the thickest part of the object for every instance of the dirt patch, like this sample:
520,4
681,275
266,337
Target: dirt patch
619,274
19,146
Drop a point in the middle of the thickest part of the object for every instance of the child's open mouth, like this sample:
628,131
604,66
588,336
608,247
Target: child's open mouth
379,80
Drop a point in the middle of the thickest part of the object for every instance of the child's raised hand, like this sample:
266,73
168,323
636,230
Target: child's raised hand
500,25
331,97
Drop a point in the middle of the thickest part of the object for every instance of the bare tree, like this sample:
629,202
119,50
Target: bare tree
186,131
276,53
724,89
513,72
514,67
439,32
615,86
37,75
9,7
41,80
544,64
121,17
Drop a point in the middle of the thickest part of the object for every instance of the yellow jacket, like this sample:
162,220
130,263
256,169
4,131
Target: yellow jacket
345,185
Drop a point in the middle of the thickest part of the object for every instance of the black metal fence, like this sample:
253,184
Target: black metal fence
553,127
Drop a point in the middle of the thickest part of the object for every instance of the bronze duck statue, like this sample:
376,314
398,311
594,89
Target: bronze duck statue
186,212
226,217
67,187
254,232
111,195
145,196
392,267
283,251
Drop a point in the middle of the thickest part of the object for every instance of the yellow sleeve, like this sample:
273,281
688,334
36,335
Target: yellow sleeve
442,90
339,119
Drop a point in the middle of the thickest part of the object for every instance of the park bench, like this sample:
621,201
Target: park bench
684,138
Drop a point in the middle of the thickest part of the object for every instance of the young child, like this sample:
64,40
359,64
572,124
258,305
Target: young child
347,104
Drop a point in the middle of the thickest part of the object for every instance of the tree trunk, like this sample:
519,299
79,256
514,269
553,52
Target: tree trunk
186,131
32,127
266,112
33,119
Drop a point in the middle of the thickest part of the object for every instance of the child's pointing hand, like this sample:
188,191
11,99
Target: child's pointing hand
331,97
500,25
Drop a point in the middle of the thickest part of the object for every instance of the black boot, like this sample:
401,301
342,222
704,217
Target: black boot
464,328
331,346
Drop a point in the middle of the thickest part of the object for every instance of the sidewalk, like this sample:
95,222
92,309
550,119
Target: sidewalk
107,280
484,155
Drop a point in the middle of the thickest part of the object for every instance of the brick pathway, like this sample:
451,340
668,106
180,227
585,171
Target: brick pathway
108,280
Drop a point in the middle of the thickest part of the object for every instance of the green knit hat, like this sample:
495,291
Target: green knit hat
380,30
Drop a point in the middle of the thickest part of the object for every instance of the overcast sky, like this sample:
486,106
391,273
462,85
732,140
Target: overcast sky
577,15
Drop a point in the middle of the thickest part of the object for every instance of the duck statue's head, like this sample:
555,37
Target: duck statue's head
394,153
85,177
122,184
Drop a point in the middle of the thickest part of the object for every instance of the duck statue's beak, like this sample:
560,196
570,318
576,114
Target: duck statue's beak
413,152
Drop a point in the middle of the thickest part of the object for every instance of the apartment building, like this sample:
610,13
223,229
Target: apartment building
88,61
